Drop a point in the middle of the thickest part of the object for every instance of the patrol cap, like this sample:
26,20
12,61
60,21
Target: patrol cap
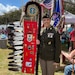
46,16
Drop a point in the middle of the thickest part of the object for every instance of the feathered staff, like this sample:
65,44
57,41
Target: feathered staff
39,25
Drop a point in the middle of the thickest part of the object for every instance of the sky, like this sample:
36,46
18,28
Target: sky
11,5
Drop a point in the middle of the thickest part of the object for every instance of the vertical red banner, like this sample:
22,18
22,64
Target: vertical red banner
29,55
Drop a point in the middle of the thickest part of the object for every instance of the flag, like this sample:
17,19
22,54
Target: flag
56,19
57,12
57,6
29,49
47,4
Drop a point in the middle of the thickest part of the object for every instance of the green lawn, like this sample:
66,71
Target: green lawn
4,65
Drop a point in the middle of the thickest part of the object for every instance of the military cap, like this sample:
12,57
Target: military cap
46,16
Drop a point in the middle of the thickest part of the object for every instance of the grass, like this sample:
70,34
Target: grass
4,65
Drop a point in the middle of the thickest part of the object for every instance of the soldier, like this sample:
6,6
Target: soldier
49,49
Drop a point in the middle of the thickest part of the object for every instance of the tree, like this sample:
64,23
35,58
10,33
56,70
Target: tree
69,6
10,17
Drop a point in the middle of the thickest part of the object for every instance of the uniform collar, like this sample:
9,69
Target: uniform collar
49,28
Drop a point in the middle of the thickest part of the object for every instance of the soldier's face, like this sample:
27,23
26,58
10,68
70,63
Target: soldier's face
46,22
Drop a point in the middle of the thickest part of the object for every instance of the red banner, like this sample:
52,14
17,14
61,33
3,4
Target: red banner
29,56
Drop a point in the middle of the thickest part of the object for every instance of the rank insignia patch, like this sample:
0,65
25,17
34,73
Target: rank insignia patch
50,35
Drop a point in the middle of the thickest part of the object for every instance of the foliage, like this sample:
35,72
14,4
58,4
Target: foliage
10,17
69,7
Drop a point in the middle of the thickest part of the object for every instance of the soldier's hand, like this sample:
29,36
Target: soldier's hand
37,42
56,64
